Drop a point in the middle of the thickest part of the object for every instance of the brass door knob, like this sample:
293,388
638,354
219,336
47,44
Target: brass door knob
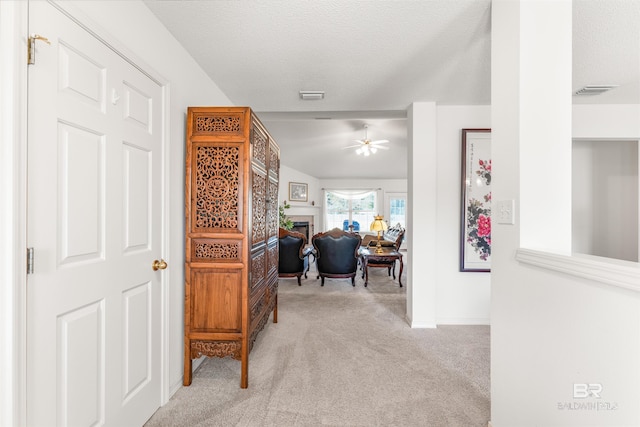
159,265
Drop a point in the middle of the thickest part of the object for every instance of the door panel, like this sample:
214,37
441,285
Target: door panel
82,78
137,189
94,221
137,333
81,157
137,107
80,362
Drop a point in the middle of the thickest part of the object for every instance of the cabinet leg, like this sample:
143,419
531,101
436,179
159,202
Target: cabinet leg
275,311
186,380
244,374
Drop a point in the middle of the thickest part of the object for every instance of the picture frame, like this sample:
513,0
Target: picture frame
475,203
298,192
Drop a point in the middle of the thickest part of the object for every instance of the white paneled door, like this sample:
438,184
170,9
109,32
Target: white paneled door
94,221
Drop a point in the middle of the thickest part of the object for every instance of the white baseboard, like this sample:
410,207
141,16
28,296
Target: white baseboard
465,321
173,389
451,321
179,384
418,325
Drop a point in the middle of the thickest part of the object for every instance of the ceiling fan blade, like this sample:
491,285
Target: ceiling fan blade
380,141
359,140
351,146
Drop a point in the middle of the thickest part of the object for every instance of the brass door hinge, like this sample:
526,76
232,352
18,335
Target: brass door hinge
31,47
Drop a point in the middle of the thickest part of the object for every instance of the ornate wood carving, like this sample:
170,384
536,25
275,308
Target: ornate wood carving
257,269
258,213
266,301
216,250
274,162
272,210
259,141
257,308
270,300
272,257
217,186
216,349
217,124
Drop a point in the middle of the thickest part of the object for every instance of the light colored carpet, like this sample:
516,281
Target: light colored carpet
343,356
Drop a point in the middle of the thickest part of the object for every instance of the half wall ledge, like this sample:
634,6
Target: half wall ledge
609,271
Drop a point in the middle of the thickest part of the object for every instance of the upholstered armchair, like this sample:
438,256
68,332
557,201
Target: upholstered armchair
336,254
354,226
293,257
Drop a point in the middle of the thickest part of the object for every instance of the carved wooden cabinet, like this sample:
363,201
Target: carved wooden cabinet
231,270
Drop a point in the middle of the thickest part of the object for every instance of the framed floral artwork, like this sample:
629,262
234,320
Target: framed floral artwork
475,218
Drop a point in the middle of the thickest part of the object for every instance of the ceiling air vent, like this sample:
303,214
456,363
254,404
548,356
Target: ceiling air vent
594,90
311,95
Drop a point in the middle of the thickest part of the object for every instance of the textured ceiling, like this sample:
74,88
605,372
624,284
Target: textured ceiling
373,59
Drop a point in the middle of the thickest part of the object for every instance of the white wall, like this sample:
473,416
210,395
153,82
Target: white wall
605,198
437,292
605,121
551,330
140,34
313,205
611,228
462,298
422,224
385,185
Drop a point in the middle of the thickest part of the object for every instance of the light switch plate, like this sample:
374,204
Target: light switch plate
505,213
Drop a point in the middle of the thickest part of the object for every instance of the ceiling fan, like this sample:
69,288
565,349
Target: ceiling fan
366,146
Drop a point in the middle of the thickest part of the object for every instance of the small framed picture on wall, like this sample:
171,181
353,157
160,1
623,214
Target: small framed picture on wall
298,192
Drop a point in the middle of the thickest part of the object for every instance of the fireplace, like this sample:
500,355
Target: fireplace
302,227
303,224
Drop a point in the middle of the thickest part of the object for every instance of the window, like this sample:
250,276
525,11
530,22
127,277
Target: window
350,207
396,203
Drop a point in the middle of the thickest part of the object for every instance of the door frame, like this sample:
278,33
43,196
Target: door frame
13,246
14,27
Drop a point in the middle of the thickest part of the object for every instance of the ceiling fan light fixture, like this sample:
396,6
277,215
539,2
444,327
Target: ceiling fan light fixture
366,146
311,95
